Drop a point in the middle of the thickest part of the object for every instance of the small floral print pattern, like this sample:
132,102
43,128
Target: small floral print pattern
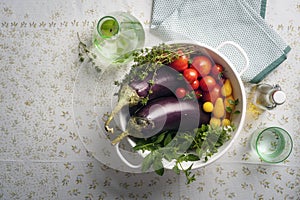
41,153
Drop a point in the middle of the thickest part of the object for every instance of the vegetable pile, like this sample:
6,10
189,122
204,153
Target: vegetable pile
180,106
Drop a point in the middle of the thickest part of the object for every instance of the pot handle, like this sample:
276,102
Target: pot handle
238,47
124,159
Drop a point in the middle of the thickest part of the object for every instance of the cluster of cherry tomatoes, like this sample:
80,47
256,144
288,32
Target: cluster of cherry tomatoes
204,76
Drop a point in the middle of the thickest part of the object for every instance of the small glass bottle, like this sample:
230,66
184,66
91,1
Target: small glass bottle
267,97
117,35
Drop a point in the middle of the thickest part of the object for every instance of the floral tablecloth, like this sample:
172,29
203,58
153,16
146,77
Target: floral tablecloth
41,155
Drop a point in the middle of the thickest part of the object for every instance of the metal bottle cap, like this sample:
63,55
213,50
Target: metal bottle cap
279,97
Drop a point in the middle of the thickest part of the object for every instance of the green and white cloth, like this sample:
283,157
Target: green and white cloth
215,21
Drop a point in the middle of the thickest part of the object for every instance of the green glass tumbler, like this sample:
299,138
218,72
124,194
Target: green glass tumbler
272,144
117,35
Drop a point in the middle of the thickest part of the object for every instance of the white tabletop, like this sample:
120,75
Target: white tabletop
41,155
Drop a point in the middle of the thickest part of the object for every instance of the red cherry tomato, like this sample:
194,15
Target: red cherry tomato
195,84
180,92
207,83
202,64
181,63
215,93
216,70
190,75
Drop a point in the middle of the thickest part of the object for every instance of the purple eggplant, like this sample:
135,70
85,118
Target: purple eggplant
165,114
165,83
161,83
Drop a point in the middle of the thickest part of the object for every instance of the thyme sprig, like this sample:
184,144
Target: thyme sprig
147,61
85,52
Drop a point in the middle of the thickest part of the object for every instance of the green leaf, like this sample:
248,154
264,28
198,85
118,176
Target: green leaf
237,112
190,96
170,154
160,171
233,102
228,109
148,161
236,102
202,129
160,138
206,158
188,157
151,82
143,145
199,152
158,165
144,101
143,148
168,139
190,168
184,146
191,179
191,157
176,169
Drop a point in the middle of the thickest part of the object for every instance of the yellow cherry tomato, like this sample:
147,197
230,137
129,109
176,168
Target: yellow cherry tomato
208,106
215,122
225,122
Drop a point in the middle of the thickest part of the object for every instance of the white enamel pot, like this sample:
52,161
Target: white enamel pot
238,92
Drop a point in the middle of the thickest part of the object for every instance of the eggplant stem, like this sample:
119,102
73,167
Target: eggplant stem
120,137
116,109
127,96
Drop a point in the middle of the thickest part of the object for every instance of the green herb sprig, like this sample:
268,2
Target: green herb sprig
182,147
234,103
147,61
84,53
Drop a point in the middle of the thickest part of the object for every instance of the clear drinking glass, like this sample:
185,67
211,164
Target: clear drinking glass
117,35
273,144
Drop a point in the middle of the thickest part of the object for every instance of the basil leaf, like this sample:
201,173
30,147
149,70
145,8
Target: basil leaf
236,102
184,146
190,157
168,139
145,146
176,169
160,138
199,152
160,171
158,166
237,112
228,109
231,102
170,154
148,161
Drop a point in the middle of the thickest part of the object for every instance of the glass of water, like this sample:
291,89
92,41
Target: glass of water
273,144
117,35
